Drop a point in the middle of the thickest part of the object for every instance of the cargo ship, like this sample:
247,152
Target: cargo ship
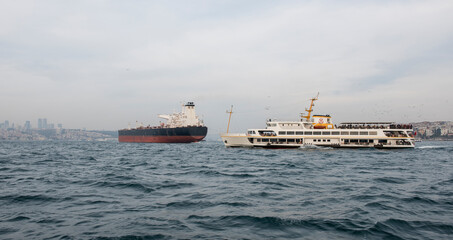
183,127
319,130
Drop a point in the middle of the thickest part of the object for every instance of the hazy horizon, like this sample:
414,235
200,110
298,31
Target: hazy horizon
104,64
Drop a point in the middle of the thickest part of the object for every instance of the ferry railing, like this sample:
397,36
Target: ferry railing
398,126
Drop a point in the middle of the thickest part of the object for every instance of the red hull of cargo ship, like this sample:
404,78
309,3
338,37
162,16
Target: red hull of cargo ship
160,139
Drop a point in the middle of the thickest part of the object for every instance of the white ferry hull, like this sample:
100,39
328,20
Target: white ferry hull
381,142
236,140
242,140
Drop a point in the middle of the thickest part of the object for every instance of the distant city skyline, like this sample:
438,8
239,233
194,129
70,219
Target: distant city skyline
41,124
107,64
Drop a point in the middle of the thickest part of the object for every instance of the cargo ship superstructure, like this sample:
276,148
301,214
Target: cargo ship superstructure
183,127
318,130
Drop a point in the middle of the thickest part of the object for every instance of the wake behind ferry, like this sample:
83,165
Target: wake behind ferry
318,130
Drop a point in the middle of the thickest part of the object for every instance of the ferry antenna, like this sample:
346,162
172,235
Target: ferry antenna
229,119
311,107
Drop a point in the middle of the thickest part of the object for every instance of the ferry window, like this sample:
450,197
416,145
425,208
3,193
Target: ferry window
291,140
258,139
273,140
363,133
325,133
316,133
265,140
346,141
282,133
373,133
299,133
354,133
364,140
344,133
308,133
335,133
328,120
324,140
328,140
354,140
382,141
289,133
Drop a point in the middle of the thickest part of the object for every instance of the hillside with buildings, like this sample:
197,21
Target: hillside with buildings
57,134
49,131
439,130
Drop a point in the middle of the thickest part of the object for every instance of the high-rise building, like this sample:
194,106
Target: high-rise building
6,125
39,123
44,123
60,125
27,125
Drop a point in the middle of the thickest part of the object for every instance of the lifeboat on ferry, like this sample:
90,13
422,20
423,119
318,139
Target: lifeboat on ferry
322,122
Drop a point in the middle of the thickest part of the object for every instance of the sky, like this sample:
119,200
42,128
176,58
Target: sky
100,64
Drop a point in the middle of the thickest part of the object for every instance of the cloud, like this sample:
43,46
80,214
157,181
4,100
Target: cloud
132,61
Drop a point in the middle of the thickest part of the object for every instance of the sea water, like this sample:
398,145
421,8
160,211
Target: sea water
103,190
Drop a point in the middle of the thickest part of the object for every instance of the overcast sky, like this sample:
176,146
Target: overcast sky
104,64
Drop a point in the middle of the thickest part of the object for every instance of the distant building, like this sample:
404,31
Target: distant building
6,124
27,125
44,123
60,125
39,123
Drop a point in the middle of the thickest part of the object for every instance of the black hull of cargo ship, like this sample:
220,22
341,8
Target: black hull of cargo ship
163,135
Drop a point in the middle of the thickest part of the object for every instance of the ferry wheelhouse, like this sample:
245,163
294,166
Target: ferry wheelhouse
318,130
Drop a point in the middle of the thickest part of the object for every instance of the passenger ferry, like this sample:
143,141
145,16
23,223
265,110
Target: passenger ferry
318,130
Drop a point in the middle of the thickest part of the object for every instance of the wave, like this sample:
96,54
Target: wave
18,219
401,229
214,173
313,147
204,204
123,185
395,180
334,228
419,200
136,237
434,147
28,198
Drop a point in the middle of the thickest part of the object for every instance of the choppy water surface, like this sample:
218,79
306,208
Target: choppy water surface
86,190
